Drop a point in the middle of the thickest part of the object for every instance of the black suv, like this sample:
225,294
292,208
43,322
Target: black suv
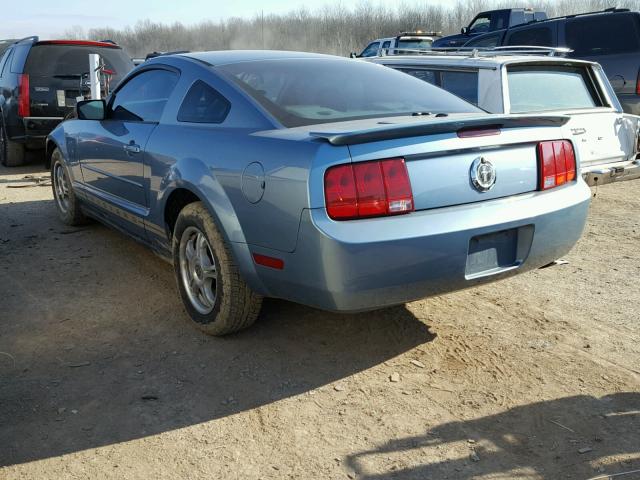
40,82
610,37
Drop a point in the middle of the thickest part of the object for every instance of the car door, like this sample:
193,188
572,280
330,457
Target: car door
111,152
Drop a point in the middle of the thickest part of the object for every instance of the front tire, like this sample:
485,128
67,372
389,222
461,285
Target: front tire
64,197
11,153
212,290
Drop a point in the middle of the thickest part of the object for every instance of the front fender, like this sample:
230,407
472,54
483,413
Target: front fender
66,144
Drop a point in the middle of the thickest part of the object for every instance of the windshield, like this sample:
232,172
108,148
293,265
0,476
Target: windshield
424,43
301,92
480,24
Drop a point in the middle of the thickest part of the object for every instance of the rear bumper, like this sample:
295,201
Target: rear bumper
33,131
368,264
610,173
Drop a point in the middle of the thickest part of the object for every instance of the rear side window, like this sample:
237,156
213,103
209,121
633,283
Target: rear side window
536,89
491,40
5,61
540,36
203,104
462,84
421,73
604,34
67,61
143,97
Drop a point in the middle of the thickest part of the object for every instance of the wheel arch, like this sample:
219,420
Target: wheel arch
209,191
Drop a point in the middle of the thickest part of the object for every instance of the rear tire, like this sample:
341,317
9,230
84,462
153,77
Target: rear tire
212,290
11,153
64,197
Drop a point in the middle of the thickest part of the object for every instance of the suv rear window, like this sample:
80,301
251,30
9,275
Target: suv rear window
536,89
604,34
73,61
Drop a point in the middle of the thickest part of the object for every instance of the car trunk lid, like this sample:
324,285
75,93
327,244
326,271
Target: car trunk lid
442,156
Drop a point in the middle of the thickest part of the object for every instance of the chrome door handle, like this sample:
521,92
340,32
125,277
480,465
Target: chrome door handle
132,148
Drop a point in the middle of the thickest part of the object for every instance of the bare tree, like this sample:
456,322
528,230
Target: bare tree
333,29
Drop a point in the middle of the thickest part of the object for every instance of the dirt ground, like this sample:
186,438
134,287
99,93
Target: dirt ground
101,376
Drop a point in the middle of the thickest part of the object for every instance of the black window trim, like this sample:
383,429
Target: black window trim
127,79
186,94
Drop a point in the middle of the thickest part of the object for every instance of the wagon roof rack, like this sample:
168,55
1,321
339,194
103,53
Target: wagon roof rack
474,52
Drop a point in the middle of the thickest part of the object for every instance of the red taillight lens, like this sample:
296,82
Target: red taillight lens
557,163
638,84
372,198
340,192
24,101
368,189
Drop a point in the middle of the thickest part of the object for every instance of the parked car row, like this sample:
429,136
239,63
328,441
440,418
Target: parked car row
507,81
346,185
610,37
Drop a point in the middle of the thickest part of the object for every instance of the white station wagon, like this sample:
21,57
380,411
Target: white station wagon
517,81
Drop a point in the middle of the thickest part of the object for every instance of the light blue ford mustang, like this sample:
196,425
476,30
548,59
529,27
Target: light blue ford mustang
338,184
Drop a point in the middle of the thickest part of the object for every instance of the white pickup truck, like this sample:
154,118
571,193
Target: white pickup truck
527,80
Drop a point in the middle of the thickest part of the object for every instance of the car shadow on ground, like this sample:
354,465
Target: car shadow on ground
97,349
573,437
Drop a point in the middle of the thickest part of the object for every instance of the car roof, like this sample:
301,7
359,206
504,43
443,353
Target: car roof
470,61
551,20
224,57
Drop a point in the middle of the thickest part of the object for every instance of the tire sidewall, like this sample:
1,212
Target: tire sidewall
69,216
4,148
212,321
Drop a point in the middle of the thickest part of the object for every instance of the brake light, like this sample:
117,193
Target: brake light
368,189
638,84
557,163
477,132
24,100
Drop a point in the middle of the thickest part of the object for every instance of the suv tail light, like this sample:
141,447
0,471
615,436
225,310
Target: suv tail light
24,100
368,189
557,163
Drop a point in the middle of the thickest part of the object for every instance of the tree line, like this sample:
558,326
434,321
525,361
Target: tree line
334,29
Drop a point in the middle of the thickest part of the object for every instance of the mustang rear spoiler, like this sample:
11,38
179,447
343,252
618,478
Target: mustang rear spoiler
389,131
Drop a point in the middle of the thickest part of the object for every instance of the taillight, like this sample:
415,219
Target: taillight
557,163
638,84
368,189
24,101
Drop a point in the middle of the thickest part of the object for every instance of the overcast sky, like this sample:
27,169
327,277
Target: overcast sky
48,18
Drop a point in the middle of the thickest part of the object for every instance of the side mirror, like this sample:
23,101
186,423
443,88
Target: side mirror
91,109
464,30
353,55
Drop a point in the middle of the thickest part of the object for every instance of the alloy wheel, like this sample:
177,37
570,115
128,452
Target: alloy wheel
198,270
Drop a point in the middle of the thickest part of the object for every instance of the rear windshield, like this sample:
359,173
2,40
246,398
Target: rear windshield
73,61
417,44
301,92
536,89
604,34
